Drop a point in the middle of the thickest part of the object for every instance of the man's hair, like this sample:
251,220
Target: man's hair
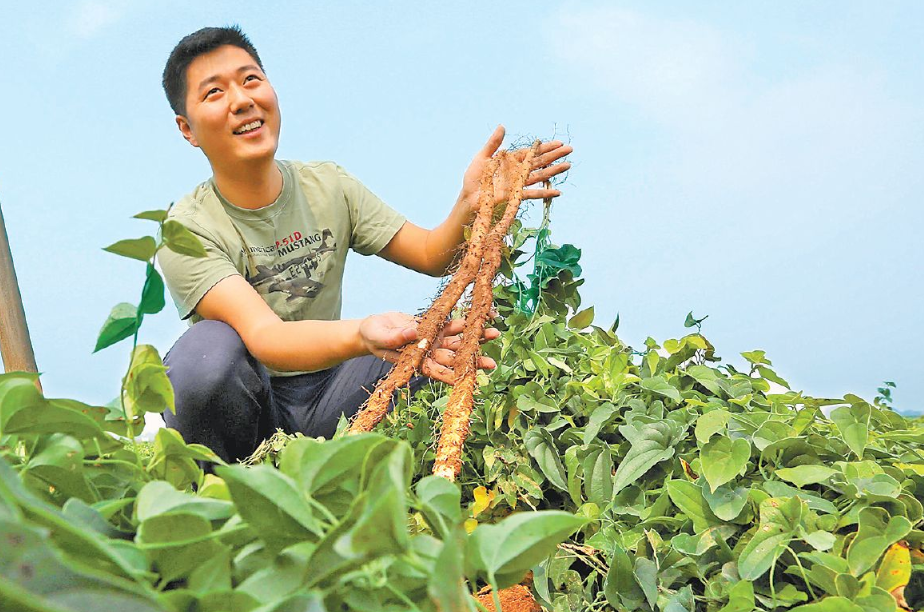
192,46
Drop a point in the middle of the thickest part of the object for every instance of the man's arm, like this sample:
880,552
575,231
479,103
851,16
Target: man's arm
317,345
434,251
283,346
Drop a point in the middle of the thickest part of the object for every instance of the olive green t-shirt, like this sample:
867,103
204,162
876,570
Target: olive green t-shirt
292,252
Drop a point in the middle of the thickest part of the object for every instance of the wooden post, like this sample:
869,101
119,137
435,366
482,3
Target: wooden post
15,345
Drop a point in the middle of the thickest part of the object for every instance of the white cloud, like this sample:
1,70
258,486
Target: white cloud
90,17
732,128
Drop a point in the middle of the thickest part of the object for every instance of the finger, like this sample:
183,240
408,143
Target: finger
452,343
549,157
544,174
390,356
551,145
493,144
438,372
452,328
443,356
486,363
540,194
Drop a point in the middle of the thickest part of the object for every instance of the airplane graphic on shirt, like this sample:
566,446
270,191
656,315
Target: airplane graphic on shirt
294,276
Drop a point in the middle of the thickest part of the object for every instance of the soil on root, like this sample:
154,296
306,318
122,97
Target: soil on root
517,598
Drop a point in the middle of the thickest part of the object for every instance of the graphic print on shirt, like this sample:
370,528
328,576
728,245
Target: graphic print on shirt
298,276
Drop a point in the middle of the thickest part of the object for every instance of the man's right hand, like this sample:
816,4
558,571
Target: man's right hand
384,335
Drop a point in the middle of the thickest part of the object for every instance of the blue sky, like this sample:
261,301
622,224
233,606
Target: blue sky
757,163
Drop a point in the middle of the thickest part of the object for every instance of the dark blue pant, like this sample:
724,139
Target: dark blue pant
226,399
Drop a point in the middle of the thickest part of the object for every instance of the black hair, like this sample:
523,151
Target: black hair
192,46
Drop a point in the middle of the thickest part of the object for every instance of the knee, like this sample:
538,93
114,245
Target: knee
209,360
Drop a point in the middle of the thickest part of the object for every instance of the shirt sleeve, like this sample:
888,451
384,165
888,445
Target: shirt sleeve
190,278
373,222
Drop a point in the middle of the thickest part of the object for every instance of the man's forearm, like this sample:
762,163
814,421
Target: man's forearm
288,346
442,246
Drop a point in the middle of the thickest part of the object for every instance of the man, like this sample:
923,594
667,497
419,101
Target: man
267,348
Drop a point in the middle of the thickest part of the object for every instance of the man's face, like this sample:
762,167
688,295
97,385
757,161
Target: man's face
232,113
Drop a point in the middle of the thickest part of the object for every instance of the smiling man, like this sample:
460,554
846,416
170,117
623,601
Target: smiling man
266,348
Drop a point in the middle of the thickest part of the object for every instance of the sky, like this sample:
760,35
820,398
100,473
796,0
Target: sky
757,163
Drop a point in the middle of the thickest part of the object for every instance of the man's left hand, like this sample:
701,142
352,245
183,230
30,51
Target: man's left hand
544,167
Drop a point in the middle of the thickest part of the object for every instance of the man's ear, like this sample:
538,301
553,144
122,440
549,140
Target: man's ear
186,131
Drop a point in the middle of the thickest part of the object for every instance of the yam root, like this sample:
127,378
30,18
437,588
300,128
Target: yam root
458,410
433,320
480,263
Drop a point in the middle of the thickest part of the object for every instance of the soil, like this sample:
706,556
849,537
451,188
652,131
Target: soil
517,598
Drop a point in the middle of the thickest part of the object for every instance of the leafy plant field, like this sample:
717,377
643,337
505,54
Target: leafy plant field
646,478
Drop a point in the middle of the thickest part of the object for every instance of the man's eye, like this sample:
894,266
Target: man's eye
212,91
251,76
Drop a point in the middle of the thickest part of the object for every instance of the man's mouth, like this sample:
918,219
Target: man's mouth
250,127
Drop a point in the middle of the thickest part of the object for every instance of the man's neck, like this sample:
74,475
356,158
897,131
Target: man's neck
252,186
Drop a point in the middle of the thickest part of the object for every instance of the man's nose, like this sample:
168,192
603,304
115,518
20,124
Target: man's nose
240,100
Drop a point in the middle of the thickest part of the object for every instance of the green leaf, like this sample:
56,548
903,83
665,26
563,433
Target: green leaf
34,575
320,468
726,503
830,604
620,587
780,489
820,540
175,461
152,296
598,476
598,418
646,574
710,423
877,531
212,574
271,503
541,447
300,602
659,385
682,600
802,475
721,459
142,249
159,497
17,392
381,528
756,357
689,499
654,444
227,601
57,461
691,321
147,388
697,545
177,542
772,376
283,577
582,319
778,522
122,323
508,549
853,424
446,585
152,215
440,498
180,240
47,417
